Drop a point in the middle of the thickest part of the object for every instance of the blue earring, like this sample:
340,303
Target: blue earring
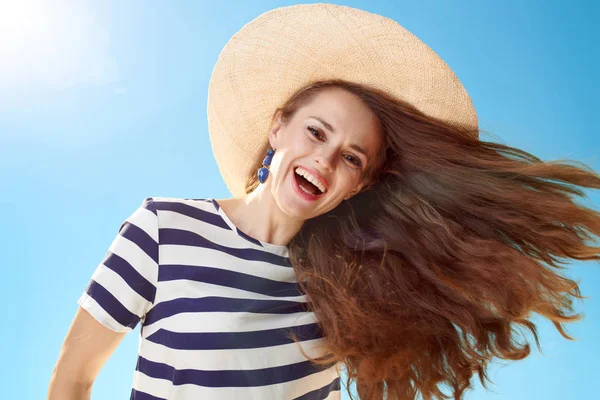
263,172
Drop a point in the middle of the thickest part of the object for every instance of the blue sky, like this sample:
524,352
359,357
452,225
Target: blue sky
103,104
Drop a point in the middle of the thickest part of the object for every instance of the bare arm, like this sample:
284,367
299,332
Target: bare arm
87,347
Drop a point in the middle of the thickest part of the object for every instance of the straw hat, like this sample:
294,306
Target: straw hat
283,49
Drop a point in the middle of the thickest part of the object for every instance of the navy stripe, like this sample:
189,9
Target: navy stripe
223,277
214,202
130,275
148,204
221,304
228,378
233,340
323,392
249,238
192,212
187,238
111,305
137,395
141,239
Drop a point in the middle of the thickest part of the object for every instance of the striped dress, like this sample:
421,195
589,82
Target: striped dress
216,307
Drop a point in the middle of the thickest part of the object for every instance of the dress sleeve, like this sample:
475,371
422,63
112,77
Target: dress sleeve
122,289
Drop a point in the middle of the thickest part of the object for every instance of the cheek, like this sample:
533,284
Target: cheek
347,179
282,164
297,146
304,143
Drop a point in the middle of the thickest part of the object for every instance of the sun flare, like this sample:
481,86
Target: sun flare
52,45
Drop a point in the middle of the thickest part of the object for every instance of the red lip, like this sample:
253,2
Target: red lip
316,175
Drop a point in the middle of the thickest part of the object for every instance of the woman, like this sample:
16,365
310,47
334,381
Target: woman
374,235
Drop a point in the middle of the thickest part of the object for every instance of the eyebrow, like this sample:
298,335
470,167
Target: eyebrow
353,146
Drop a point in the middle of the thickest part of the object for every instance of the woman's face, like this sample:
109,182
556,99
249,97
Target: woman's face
334,138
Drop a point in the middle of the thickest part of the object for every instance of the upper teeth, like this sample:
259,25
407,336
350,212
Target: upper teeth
310,178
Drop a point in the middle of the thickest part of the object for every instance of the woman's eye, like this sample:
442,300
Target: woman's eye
354,160
313,131
316,133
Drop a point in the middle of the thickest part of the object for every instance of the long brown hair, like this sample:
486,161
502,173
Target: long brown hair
421,279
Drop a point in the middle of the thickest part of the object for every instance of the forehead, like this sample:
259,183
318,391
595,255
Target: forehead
348,116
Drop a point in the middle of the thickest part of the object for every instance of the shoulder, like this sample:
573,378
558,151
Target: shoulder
159,203
175,212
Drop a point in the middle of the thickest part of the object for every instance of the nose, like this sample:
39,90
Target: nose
325,158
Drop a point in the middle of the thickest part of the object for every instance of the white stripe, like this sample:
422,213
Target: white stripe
95,310
136,257
233,321
156,387
114,284
312,382
170,290
238,359
201,256
146,220
216,234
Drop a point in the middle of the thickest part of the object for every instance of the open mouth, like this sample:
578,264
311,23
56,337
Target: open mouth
307,186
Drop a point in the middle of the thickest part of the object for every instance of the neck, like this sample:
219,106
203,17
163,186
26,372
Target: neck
257,215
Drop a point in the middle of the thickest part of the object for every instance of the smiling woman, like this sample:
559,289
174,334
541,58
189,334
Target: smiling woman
346,148
324,161
369,228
